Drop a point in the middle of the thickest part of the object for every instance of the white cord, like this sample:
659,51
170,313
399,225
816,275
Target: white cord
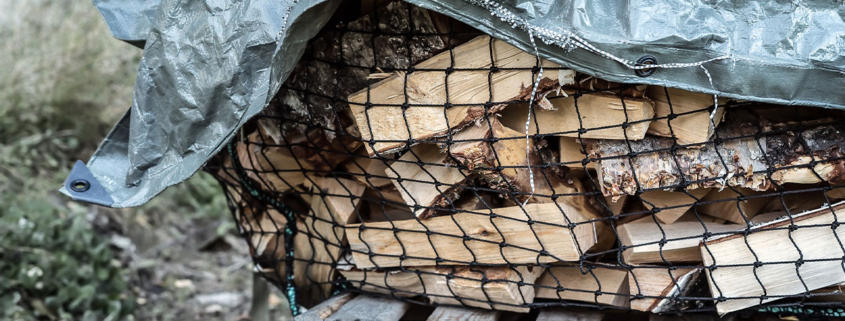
528,122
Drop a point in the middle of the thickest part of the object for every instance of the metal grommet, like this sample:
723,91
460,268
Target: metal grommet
643,61
80,185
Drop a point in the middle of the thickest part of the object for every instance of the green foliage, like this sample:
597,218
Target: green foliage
61,69
64,81
54,267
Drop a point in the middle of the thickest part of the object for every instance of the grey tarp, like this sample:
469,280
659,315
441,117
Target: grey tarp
208,66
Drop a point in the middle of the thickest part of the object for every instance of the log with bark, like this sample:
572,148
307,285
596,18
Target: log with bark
499,156
304,109
740,160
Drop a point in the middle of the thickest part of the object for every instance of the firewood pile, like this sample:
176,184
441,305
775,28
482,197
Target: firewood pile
411,156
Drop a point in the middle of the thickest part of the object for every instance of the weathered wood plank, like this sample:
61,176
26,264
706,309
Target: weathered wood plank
368,308
445,313
483,237
569,283
386,122
812,239
326,308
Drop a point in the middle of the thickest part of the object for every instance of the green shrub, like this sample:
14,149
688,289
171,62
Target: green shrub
54,267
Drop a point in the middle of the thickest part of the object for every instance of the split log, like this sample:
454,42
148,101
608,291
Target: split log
462,314
569,283
731,208
692,125
572,154
483,237
656,168
368,308
390,125
502,165
498,155
801,198
485,287
463,285
589,83
658,285
385,212
272,168
761,267
338,196
362,166
565,117
672,205
425,181
326,308
642,238
394,283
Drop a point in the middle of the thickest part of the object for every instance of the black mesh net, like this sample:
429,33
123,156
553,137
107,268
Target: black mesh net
413,157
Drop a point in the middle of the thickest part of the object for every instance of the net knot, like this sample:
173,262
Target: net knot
449,70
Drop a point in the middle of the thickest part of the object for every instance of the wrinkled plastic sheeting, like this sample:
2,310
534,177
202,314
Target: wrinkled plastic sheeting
128,20
208,66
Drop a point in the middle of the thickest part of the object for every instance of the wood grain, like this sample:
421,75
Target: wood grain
483,237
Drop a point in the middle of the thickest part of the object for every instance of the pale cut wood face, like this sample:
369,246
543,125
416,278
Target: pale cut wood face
485,233
777,248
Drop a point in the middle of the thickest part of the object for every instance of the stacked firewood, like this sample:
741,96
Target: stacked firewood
425,163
